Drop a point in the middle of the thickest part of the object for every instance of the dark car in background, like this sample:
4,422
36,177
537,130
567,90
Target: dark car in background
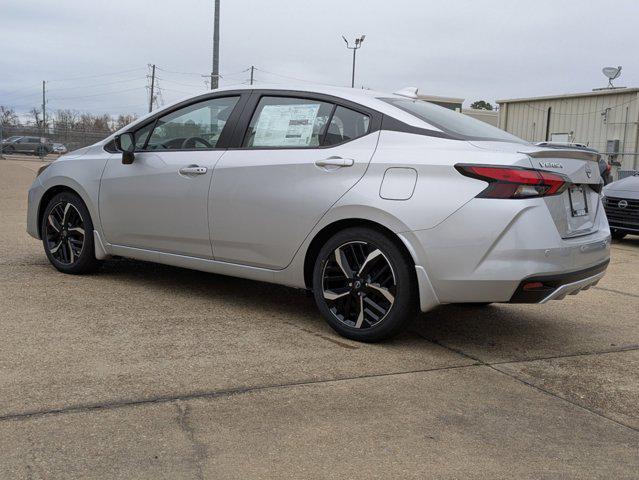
26,144
621,202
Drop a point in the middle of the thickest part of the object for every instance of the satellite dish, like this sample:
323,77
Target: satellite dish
611,73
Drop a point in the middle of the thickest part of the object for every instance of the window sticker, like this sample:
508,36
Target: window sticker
285,125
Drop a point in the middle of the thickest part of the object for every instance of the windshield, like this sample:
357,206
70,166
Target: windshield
452,122
12,139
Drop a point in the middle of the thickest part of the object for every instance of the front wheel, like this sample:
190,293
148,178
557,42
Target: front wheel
67,234
364,285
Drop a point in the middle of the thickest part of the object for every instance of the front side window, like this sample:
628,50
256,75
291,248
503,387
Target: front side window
285,122
197,126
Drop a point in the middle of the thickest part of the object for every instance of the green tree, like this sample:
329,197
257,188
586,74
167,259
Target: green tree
481,105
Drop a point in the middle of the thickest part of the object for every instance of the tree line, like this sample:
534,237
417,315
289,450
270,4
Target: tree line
66,119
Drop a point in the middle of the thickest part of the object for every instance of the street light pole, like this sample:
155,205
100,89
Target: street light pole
358,44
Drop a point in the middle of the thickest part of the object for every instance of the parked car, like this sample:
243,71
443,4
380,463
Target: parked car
7,145
59,148
605,169
621,201
25,144
376,202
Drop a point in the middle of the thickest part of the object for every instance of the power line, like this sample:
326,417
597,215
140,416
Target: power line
98,94
106,74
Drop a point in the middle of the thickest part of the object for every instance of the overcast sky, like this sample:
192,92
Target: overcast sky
476,49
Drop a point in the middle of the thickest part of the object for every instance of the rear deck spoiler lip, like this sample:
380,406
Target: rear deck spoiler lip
567,153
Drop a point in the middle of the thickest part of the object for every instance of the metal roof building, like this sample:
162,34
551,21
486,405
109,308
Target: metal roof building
606,119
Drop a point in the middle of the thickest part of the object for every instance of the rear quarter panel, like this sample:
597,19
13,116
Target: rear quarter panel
440,189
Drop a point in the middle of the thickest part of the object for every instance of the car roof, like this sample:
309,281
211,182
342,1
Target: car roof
364,97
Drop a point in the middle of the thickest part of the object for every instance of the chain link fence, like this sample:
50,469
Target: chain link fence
71,138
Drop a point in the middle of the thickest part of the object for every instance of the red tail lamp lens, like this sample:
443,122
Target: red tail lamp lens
515,182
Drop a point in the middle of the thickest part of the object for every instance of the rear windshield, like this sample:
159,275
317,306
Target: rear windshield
452,122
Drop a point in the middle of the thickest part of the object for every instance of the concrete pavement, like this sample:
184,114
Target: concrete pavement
147,371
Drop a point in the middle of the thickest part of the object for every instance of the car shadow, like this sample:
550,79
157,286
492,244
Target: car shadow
467,328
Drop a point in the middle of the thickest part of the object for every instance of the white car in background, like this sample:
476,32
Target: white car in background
376,202
59,148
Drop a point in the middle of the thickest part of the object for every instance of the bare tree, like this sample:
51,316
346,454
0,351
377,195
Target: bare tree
35,114
123,120
66,119
8,117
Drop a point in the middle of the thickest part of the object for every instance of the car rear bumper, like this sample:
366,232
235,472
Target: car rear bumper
485,250
541,289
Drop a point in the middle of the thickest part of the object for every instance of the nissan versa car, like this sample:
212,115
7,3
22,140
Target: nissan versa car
378,203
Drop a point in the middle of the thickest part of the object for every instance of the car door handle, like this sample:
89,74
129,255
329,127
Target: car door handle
335,162
193,170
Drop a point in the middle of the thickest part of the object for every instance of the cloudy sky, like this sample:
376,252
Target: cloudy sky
94,55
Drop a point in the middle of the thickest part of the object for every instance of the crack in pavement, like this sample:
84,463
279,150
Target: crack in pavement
160,399
612,290
494,366
207,394
199,448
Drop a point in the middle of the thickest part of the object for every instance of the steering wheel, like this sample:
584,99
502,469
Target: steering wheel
187,141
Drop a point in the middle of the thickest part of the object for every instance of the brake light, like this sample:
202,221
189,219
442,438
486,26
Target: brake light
515,182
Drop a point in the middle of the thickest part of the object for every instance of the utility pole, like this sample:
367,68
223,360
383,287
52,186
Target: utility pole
44,115
215,68
252,70
152,87
44,107
358,44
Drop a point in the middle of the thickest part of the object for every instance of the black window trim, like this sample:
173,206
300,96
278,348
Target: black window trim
239,120
251,107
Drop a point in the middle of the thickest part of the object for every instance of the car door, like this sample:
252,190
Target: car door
159,202
24,144
296,155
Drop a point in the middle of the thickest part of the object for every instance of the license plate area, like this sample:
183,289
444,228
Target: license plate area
578,201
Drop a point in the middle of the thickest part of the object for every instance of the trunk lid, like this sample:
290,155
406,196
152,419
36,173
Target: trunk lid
576,210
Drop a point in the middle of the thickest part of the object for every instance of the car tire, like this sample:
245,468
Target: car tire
617,234
8,150
358,267
67,234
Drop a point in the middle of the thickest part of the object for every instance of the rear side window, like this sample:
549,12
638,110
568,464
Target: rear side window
346,125
286,122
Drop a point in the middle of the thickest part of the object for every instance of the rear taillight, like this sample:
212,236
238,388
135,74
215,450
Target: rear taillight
515,182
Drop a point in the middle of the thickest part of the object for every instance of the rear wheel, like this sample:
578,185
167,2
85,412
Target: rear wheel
364,285
617,234
67,234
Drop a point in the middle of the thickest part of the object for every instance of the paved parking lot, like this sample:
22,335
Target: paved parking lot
146,371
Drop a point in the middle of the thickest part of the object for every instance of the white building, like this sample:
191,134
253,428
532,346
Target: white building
606,119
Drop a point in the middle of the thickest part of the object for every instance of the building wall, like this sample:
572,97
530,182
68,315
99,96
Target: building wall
488,116
582,117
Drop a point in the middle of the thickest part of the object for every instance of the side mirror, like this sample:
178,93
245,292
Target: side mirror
125,143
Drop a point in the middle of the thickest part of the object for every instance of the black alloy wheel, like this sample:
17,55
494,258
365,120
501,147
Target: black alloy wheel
364,284
67,234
